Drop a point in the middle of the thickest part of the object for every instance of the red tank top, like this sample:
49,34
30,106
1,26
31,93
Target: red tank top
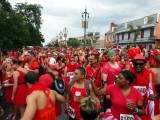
75,104
48,113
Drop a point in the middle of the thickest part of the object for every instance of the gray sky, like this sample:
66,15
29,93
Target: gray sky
58,14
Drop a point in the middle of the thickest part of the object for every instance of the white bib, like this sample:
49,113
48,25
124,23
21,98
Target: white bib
142,89
126,117
71,112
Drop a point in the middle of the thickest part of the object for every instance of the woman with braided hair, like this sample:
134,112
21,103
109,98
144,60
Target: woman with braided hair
90,108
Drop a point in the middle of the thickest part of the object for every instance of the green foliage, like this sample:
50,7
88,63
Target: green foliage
93,36
136,31
20,26
73,42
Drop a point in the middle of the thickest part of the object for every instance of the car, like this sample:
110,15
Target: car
100,49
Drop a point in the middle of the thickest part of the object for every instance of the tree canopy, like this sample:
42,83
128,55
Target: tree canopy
20,26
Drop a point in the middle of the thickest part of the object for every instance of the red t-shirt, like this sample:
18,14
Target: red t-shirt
34,65
119,100
96,74
111,72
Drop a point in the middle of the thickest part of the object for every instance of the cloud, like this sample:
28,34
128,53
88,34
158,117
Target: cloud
58,14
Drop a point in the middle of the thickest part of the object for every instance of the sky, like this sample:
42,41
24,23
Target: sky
58,14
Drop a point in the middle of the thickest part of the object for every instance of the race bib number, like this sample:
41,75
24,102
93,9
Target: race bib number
70,74
71,112
126,117
142,89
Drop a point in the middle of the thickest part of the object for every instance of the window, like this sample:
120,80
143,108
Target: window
122,36
145,20
142,34
126,25
129,35
118,37
152,32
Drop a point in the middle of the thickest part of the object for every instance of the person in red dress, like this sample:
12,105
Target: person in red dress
109,71
40,99
20,88
48,80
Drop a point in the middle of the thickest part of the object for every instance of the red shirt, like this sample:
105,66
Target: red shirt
111,72
119,100
34,65
96,74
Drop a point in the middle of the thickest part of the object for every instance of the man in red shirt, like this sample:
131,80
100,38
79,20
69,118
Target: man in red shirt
94,70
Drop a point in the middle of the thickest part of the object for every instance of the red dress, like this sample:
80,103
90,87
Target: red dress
21,92
47,113
9,90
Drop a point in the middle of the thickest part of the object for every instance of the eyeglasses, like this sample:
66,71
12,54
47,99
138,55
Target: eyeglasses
138,64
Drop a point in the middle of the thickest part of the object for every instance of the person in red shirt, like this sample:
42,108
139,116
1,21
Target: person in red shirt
144,82
70,69
76,93
94,70
127,103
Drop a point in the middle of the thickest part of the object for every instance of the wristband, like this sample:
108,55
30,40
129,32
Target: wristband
136,110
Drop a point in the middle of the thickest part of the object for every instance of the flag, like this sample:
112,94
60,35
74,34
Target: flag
150,102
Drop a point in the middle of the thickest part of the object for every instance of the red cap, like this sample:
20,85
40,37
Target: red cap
139,57
46,79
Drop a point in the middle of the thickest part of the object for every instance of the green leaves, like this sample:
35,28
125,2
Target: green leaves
73,42
20,26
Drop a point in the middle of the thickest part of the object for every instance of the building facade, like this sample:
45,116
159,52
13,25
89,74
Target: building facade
91,43
125,34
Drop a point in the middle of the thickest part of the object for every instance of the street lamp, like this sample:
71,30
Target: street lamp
65,31
85,18
60,37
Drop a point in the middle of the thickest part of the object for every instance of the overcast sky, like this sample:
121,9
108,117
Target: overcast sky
58,14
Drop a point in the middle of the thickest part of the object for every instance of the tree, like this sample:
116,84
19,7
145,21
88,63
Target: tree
19,26
136,31
93,36
73,42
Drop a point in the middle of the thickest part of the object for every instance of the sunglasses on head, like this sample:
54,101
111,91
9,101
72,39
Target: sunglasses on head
138,64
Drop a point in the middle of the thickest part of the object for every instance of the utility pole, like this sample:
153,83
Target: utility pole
85,18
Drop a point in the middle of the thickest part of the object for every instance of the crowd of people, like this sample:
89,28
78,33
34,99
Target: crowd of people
117,84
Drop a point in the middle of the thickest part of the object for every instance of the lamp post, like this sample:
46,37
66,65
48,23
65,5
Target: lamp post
60,37
65,31
85,18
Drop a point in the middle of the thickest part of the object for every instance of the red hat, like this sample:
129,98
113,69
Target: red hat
52,62
155,52
46,79
139,57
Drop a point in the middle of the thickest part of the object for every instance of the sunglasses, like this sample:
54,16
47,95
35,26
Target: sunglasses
138,64
72,60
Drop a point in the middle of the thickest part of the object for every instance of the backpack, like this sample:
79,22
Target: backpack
58,84
87,86
41,70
